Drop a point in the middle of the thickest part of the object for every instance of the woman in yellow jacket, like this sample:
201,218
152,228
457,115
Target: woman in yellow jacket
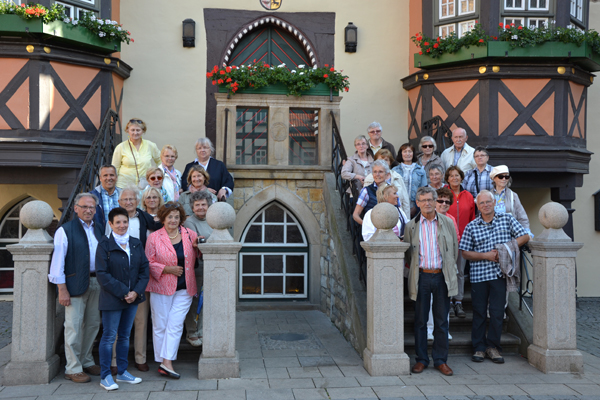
133,157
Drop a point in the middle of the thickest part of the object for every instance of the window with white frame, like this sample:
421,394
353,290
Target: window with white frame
447,8
518,21
273,261
537,22
466,7
514,4
465,26
75,9
446,30
538,4
577,9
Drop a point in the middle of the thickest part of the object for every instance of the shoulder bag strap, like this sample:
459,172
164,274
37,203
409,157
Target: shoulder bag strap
134,160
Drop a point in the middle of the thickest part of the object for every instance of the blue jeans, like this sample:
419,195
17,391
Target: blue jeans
482,293
118,322
432,284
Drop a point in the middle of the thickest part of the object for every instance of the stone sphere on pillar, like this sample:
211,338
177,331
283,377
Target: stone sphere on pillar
36,215
384,216
220,215
553,215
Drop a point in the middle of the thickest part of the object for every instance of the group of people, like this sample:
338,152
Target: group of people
452,208
133,249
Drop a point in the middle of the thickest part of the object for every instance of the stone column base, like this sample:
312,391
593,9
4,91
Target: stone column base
386,364
219,368
31,372
549,361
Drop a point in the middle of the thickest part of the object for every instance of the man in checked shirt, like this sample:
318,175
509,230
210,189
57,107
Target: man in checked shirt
488,284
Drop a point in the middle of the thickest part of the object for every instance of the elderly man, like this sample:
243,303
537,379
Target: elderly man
488,283
73,271
107,194
461,154
140,222
376,142
478,178
432,258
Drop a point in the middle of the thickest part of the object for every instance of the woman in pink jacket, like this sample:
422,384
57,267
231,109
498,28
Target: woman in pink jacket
172,253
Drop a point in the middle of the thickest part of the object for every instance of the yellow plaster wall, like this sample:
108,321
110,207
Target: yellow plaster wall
12,194
168,82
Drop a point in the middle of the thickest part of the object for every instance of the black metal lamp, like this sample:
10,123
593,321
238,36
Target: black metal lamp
189,33
350,37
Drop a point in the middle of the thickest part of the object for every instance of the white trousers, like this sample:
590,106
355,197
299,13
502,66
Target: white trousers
168,314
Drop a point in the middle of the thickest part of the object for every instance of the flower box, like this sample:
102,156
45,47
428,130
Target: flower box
58,32
551,51
320,89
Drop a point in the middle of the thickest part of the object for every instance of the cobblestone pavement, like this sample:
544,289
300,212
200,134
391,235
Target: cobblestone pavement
5,322
588,325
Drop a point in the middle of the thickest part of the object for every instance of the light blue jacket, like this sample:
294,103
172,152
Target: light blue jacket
419,179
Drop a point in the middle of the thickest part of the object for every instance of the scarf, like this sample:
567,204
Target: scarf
173,177
193,189
121,239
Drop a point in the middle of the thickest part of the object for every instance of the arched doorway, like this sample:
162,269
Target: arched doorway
274,258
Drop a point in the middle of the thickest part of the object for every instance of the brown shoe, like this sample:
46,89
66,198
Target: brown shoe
418,368
93,370
80,377
142,367
444,369
114,371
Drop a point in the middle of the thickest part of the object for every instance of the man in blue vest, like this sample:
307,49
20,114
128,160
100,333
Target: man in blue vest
73,271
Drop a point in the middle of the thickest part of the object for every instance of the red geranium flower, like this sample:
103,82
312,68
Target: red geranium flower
228,69
331,69
420,53
222,72
480,40
228,80
438,39
220,81
426,43
346,89
501,25
429,50
435,45
214,83
209,74
132,40
520,28
215,68
325,76
326,65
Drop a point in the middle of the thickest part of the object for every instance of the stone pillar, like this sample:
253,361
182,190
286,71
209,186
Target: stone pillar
384,354
554,347
219,357
33,358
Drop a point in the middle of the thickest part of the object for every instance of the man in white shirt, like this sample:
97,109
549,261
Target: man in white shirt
73,271
461,154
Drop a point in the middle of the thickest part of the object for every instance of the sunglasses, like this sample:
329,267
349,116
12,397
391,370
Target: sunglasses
171,205
375,131
156,178
444,201
427,146
503,176
136,121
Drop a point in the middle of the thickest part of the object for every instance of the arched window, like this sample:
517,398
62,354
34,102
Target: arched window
11,231
274,256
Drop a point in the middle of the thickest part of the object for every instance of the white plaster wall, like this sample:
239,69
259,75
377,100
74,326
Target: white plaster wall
167,84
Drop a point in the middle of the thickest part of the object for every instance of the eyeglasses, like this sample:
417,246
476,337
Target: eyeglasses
156,178
136,121
503,176
426,200
86,208
444,201
128,200
427,146
375,131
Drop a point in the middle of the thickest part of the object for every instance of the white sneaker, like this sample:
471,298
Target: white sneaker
430,336
449,336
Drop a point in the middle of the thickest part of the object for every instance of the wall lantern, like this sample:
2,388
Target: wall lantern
350,37
189,33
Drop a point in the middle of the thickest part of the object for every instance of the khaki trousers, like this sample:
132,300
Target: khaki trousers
140,337
82,322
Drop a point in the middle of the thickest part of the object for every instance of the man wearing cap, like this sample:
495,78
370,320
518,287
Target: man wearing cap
488,283
461,154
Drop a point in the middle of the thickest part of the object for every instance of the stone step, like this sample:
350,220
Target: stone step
456,324
461,343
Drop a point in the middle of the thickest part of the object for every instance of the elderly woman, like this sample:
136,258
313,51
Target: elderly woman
133,157
428,159
221,182
155,178
172,177
367,199
436,175
123,279
385,194
463,211
197,180
152,200
507,201
172,253
359,165
412,173
200,202
395,179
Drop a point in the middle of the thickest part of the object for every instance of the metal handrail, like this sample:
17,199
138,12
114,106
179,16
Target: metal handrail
100,153
439,131
526,266
338,157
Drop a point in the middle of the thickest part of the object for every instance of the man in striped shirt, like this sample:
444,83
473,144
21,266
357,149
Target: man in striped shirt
432,258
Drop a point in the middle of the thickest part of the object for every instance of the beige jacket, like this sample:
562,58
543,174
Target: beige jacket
397,181
448,242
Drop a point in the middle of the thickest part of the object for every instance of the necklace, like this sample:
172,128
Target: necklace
173,237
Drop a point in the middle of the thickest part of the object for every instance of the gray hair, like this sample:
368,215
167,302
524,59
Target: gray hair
130,188
438,167
361,137
86,194
205,142
374,125
428,139
485,191
381,163
422,191
201,195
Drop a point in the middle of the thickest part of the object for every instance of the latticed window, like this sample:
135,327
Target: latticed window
447,8
251,136
75,8
577,9
465,26
445,30
538,4
455,16
304,128
518,21
274,257
514,5
466,7
537,22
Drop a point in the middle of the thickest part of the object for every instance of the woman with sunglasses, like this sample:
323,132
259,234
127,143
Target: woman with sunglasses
133,157
155,178
507,201
428,159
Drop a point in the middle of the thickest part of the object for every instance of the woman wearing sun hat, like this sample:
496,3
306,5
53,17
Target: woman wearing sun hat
507,201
